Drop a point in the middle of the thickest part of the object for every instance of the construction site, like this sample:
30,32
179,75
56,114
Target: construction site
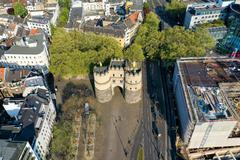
207,93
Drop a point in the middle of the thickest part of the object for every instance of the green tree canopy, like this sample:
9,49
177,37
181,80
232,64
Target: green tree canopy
173,42
19,9
180,42
134,53
64,12
152,21
63,17
148,35
146,8
73,53
64,3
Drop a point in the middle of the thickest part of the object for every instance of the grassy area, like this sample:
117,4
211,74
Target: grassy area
140,154
74,97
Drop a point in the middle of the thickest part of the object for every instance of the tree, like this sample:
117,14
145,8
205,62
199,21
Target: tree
176,10
19,9
134,53
148,36
64,12
152,21
74,53
180,42
173,42
63,17
65,3
61,147
146,8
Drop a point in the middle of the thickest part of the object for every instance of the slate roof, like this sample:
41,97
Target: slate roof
11,150
39,38
15,75
29,119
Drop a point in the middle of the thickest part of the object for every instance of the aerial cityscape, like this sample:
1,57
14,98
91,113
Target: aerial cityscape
119,79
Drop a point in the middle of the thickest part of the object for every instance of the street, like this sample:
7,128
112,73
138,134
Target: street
156,95
158,6
157,110
151,145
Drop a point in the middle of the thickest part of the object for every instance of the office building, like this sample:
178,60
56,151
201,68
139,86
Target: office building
207,95
199,13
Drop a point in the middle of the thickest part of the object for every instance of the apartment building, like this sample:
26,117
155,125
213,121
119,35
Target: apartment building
29,116
52,7
121,30
40,22
92,5
20,150
49,6
28,52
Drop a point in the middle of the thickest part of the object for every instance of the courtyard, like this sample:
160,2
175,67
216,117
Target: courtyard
117,123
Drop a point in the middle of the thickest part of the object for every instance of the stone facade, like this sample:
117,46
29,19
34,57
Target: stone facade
118,74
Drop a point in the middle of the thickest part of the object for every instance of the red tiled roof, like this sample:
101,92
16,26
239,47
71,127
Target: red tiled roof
133,17
24,2
34,31
12,26
2,73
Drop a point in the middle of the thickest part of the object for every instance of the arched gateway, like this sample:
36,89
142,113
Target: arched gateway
118,73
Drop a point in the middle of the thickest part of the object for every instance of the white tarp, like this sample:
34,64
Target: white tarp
12,108
217,135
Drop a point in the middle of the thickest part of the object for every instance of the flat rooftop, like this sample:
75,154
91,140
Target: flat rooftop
209,73
207,83
196,9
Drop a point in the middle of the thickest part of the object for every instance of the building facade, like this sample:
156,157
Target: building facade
118,74
121,30
30,52
39,23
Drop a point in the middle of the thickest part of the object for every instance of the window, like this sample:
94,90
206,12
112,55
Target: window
113,81
113,75
120,75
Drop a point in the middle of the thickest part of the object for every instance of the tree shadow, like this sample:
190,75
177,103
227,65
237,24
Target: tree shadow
79,90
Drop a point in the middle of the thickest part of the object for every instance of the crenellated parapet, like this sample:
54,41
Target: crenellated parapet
118,73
